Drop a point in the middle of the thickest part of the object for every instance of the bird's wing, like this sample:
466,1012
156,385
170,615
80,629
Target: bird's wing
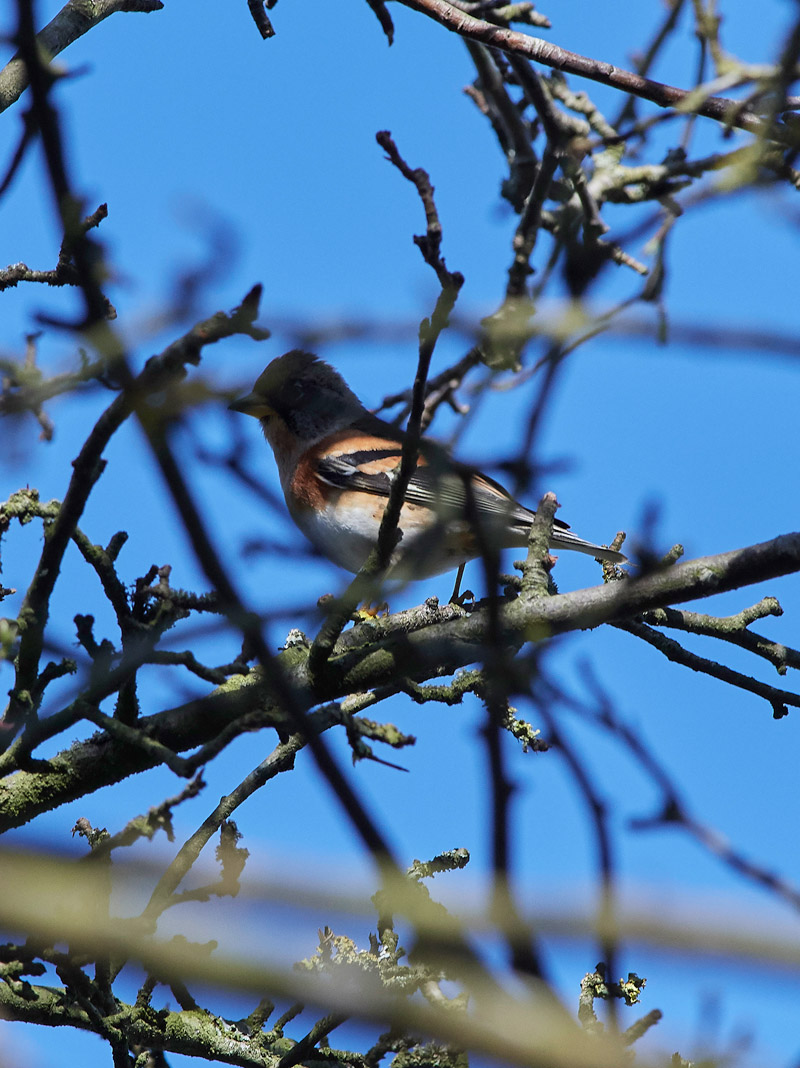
451,489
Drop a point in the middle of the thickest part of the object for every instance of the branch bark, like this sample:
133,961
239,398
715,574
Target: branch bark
422,643
551,55
73,20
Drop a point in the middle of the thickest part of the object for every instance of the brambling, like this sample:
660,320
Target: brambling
336,460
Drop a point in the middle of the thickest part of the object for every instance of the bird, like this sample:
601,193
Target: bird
336,462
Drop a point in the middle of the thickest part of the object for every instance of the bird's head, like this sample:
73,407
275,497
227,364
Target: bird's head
303,395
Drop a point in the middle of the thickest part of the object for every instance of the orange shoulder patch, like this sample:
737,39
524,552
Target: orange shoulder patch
307,488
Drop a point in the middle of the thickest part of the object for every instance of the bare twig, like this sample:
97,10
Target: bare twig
87,468
258,10
72,22
429,245
381,12
552,55
733,629
672,650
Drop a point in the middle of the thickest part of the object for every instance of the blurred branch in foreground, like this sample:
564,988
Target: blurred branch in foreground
47,898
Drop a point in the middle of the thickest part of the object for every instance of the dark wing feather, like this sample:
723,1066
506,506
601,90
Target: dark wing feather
438,482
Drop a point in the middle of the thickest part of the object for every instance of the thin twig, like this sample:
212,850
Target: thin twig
672,650
552,55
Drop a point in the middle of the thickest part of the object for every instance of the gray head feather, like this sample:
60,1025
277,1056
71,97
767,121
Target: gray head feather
309,395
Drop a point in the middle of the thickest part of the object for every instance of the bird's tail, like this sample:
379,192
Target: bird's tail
565,539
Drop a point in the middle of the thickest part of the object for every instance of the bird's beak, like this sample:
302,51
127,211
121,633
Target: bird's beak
252,404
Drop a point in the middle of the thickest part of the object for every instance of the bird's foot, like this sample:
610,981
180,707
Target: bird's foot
462,598
369,611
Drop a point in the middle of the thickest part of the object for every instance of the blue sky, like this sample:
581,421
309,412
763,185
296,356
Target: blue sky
186,123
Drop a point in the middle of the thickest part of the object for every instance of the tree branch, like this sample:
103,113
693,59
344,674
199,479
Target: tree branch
87,468
421,643
73,20
551,55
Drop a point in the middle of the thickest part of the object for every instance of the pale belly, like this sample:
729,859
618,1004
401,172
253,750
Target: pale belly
347,535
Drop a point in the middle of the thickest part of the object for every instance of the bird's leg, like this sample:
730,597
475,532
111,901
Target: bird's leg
456,597
454,594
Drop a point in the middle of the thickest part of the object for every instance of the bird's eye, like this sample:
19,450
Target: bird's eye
294,389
